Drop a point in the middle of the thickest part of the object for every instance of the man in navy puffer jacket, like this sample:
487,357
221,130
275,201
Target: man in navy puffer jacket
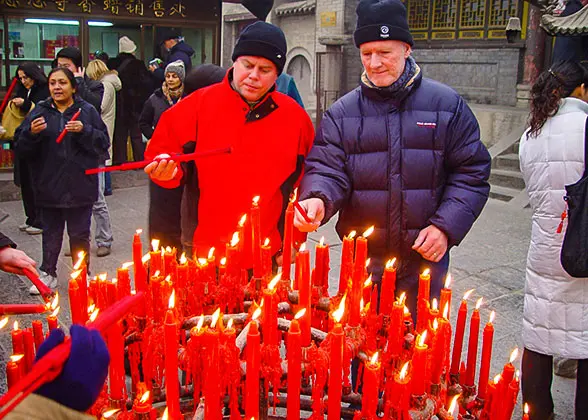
400,152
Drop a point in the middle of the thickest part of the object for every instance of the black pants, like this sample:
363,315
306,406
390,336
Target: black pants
537,376
32,212
165,215
78,221
126,126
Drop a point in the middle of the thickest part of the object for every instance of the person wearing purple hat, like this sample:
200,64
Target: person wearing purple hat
400,152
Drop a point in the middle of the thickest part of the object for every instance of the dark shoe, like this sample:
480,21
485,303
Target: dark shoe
103,251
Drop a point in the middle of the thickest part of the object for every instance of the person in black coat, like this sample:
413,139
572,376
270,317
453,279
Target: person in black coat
63,190
31,89
13,260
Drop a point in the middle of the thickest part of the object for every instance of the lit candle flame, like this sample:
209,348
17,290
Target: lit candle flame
242,220
467,294
426,273
215,317
526,408
374,359
256,200
266,242
165,415
102,276
368,232
110,413
157,273
146,258
172,300
435,305
422,338
402,298
256,314
94,315
518,375
202,261
272,285
183,259
367,282
453,404
230,324
211,253
406,311
338,314
56,311
351,234
200,322
91,308
223,261
139,231
75,274
300,313
435,324
155,245
497,379
15,325
126,265
303,247
81,256
168,249
492,316
235,239
403,371
55,301
479,303
294,195
144,398
16,357
446,311
514,355
390,263
3,322
361,305
447,281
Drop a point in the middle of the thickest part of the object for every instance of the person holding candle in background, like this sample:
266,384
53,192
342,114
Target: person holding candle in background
411,162
270,134
64,192
552,154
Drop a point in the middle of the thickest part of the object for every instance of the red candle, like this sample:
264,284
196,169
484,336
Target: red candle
270,314
346,262
419,365
266,261
439,348
29,349
423,300
156,259
388,288
142,404
172,388
294,368
499,401
123,280
138,267
487,339
256,237
400,395
459,331
512,393
359,272
445,298
367,290
19,309
526,412
81,269
396,328
288,241
13,370
305,294
78,312
169,261
116,368
38,334
321,264
17,339
64,132
182,274
232,250
473,345
371,383
212,391
336,364
253,366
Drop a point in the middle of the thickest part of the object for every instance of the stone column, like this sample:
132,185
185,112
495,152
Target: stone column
534,56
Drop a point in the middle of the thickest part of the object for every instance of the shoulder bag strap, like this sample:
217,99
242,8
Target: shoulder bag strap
586,149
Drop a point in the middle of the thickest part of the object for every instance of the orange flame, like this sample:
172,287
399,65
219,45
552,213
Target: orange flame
272,285
200,322
374,359
256,200
390,263
202,261
235,239
453,404
467,294
127,265
402,298
75,274
55,301
338,314
81,256
303,247
426,273
266,242
514,355
242,220
16,357
144,397
168,250
367,282
256,314
497,379
300,313
526,408
406,311
94,315
215,317
368,231
56,311
446,311
223,261
422,338
146,258
155,245
183,259
102,276
91,308
492,316
435,324
368,262
403,371
15,325
322,241
211,253
479,303
139,231
447,281
172,300
3,322
108,414
294,195
361,305
351,234
230,324
165,415
435,305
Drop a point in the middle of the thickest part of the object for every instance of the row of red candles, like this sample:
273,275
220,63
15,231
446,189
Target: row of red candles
165,261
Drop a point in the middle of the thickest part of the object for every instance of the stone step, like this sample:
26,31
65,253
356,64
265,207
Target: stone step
507,178
513,149
503,193
506,161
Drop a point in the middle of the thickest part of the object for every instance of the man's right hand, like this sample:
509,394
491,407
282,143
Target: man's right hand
15,261
315,210
163,169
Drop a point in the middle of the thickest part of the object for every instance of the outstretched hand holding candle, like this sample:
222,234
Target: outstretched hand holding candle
164,169
315,210
15,261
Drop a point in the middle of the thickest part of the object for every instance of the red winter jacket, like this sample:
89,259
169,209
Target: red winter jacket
269,144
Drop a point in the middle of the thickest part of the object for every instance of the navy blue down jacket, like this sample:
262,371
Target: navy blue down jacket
400,162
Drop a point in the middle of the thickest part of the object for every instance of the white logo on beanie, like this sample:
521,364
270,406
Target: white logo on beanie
384,32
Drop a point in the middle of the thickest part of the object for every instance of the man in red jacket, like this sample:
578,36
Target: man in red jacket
269,133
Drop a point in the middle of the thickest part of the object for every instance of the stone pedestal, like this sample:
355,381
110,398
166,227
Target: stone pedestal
523,95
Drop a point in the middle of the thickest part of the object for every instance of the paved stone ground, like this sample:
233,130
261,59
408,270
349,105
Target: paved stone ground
491,260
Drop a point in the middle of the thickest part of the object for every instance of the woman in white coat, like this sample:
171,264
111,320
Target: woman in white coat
555,318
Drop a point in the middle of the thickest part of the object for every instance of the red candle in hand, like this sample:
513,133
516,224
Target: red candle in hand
13,370
346,262
64,132
445,298
371,383
473,345
337,338
172,388
288,241
305,294
294,358
116,368
38,333
487,337
253,366
29,349
270,313
459,331
256,237
359,273
419,365
17,339
388,288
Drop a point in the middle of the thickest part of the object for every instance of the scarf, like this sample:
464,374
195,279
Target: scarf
172,95
400,86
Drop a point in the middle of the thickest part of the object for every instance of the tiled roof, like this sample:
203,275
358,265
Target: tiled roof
572,25
296,8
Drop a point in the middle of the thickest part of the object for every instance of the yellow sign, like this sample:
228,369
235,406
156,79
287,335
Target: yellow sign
497,34
420,36
328,19
443,35
471,34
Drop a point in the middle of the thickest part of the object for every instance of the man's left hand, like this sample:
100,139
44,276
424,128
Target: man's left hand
431,243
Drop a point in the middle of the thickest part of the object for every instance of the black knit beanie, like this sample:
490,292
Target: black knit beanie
261,39
381,20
